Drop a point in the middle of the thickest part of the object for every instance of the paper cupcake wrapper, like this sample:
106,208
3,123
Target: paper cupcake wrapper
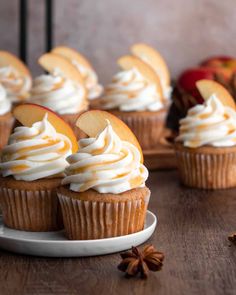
85,220
207,171
30,210
5,131
148,129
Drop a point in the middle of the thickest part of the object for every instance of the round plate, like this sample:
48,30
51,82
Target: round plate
54,244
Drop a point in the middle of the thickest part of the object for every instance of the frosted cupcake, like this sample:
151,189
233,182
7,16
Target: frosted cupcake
6,118
135,96
62,90
206,145
15,77
104,193
32,165
94,89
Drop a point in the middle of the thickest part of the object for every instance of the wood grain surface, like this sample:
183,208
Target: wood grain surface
192,232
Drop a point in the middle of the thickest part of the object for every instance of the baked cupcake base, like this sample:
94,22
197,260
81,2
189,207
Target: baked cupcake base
30,206
91,215
146,125
6,125
207,167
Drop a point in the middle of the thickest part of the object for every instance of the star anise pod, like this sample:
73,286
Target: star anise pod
136,261
232,238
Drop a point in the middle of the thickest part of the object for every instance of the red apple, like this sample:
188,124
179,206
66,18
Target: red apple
216,61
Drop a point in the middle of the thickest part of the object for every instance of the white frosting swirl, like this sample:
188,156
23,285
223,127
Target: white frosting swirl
210,124
59,94
130,91
91,80
5,104
106,164
17,86
35,152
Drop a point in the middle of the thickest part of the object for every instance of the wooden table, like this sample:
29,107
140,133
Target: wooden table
192,232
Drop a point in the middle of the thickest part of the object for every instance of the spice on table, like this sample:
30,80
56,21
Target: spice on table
232,238
137,261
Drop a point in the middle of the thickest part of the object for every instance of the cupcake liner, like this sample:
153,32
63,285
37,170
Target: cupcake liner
71,120
84,220
5,130
147,126
207,170
30,210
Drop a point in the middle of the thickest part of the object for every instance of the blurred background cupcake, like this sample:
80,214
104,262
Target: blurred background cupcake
94,89
15,77
140,94
61,90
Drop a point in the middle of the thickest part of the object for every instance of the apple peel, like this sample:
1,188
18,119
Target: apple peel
95,121
72,55
28,114
209,87
154,59
52,61
129,62
9,59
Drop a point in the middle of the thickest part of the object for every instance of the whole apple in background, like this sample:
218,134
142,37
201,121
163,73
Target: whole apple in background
217,61
223,65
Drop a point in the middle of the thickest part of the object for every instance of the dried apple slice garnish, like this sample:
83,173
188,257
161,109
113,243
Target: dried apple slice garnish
209,87
72,55
129,62
95,121
28,114
52,62
9,59
154,59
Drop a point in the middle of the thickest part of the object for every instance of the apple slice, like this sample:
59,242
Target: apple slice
129,62
95,121
209,87
154,59
8,59
27,114
72,55
52,61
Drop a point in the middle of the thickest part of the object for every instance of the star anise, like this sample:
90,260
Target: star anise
232,238
136,261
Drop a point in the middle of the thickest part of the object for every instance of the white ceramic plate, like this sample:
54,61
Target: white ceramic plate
54,244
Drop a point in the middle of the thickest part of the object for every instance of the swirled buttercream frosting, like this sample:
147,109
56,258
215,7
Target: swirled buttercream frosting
59,94
106,164
17,86
5,104
211,124
35,152
130,91
91,80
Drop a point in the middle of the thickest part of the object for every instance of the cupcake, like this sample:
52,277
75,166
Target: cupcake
104,193
32,166
136,96
15,77
206,145
62,90
6,118
94,89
